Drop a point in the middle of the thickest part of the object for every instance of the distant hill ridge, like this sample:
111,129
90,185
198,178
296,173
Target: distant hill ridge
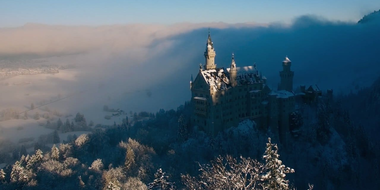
375,15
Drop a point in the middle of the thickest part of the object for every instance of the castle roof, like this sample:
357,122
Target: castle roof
282,94
216,78
287,60
313,88
220,78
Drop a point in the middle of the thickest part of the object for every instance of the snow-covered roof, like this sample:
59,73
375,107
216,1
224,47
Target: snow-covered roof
282,94
200,98
216,78
299,94
254,91
245,69
247,75
287,60
314,88
220,78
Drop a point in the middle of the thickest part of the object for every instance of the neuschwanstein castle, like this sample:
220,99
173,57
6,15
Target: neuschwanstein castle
222,97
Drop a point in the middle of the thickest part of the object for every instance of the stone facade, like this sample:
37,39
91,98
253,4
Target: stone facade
222,97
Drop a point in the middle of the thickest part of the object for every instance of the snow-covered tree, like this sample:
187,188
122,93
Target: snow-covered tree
34,159
113,185
81,140
275,171
135,184
138,159
65,150
129,158
227,173
161,181
97,165
54,153
19,174
2,175
112,178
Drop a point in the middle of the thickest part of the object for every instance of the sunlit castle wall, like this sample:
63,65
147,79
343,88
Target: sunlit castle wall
222,97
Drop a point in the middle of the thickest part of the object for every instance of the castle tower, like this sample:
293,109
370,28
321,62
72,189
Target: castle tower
286,76
233,71
210,54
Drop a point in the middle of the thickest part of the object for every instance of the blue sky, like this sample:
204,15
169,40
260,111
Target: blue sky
95,12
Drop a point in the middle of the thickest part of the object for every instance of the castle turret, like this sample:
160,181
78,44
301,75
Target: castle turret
286,76
210,54
191,81
233,71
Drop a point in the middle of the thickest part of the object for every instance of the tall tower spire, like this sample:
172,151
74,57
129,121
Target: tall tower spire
233,71
210,53
233,64
286,76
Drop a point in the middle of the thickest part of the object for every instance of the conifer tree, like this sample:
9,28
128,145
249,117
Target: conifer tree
274,178
34,159
227,173
56,138
54,153
59,124
2,175
161,181
23,150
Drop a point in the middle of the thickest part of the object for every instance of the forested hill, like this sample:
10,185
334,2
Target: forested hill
326,148
363,108
370,18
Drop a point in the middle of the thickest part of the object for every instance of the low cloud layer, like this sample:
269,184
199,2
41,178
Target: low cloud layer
45,40
342,56
124,62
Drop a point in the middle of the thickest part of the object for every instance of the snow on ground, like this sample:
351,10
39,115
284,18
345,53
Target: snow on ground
21,91
70,91
63,136
16,130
